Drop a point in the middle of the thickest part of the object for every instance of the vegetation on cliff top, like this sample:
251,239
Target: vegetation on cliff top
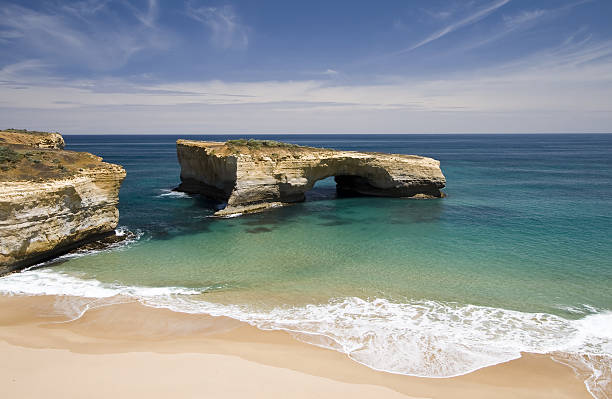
257,144
26,131
260,149
25,163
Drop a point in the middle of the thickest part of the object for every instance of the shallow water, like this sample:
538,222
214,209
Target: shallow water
518,257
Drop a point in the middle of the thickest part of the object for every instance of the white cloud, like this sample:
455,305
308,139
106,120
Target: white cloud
227,31
568,88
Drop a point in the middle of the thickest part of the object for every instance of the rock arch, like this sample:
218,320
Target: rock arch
255,175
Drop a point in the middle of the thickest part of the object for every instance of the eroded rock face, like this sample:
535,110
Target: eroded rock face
52,201
253,176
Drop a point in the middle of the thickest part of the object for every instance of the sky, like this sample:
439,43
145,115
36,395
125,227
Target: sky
206,67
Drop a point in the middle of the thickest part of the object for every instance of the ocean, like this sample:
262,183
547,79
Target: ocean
517,257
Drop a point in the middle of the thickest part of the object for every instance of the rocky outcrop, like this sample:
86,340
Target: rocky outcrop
32,139
255,175
52,201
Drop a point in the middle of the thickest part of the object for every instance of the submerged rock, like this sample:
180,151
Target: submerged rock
255,175
51,200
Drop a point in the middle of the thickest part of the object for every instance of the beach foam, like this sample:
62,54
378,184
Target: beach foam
120,231
418,338
49,282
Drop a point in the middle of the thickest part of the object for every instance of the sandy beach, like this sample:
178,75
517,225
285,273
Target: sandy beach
130,350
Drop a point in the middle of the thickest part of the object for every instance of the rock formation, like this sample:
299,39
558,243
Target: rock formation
32,138
255,175
51,200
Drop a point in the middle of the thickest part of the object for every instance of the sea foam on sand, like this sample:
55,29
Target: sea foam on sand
418,338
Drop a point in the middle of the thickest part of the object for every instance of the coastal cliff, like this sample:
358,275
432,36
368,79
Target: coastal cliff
254,175
32,138
51,200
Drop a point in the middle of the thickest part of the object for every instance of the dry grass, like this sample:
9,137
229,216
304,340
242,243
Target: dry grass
26,131
265,148
19,162
257,144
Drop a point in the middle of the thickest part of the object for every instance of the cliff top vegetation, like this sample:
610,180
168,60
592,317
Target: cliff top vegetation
257,144
32,164
26,131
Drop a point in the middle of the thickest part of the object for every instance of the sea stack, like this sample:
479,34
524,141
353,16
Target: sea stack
51,200
254,175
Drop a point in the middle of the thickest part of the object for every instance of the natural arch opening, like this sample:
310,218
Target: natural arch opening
322,190
334,187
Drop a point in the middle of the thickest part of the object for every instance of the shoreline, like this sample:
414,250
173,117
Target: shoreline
144,350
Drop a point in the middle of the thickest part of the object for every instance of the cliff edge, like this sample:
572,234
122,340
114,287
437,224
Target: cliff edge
51,200
253,175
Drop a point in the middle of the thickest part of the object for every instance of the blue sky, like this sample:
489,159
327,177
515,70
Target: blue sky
195,66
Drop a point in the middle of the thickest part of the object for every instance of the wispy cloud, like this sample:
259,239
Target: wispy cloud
85,8
73,36
148,16
523,17
441,14
528,16
474,17
329,72
227,30
18,72
575,76
574,53
522,21
512,24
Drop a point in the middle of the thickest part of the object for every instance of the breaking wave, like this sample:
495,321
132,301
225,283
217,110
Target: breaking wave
417,338
173,194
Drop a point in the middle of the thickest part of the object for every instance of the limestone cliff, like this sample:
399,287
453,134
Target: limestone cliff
32,138
254,175
52,201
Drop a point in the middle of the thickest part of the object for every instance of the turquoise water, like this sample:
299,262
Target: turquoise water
517,257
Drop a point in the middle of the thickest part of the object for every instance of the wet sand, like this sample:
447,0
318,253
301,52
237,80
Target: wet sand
130,350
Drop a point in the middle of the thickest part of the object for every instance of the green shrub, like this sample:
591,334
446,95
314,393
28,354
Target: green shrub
8,156
257,144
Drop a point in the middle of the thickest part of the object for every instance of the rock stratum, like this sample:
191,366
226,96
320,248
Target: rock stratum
254,175
51,200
